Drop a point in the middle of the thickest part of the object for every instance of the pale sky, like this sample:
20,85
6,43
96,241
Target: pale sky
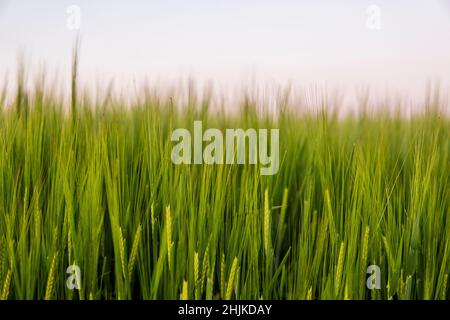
305,42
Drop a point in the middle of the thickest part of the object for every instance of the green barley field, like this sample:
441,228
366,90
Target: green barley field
91,184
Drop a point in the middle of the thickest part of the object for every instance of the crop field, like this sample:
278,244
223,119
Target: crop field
93,207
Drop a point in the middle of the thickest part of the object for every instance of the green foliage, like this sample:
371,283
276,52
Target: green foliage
97,188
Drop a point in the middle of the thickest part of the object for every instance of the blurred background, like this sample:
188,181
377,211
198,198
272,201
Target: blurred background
396,47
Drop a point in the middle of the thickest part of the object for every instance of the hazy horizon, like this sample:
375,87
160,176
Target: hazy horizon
231,43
